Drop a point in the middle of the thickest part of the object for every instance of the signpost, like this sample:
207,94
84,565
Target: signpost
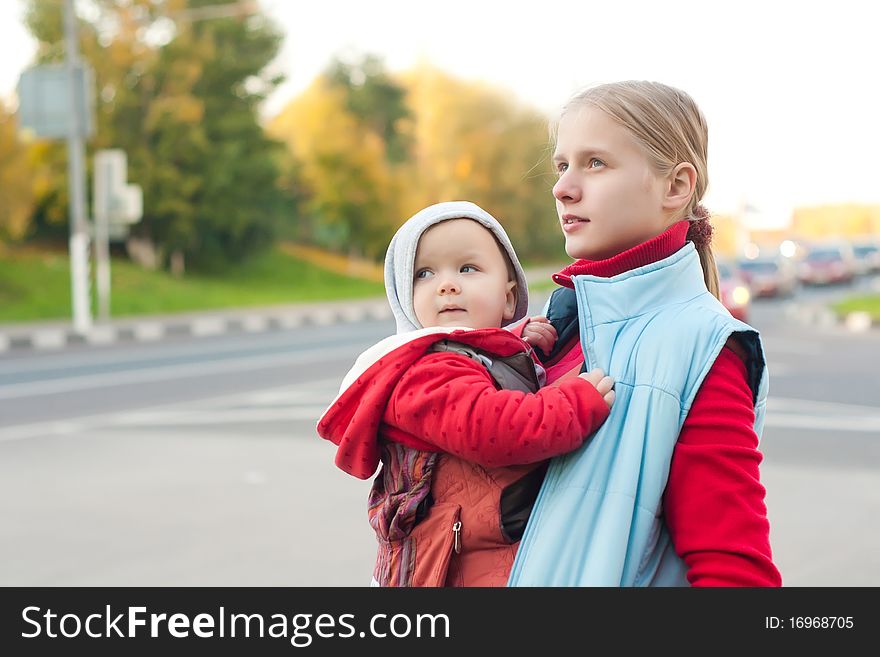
57,102
117,204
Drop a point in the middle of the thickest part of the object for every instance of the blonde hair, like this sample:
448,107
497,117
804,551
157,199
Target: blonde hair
671,129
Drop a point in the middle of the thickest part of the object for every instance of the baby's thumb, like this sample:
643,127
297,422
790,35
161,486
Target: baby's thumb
605,385
593,376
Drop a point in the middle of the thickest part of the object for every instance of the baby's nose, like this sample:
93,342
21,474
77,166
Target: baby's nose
448,287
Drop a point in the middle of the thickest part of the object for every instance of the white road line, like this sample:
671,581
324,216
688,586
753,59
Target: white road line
316,393
807,406
233,416
778,369
827,423
306,402
821,416
41,361
170,372
796,347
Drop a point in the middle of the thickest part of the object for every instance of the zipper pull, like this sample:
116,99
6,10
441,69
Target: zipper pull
456,530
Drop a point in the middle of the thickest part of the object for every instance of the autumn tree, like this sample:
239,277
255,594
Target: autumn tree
478,143
375,148
344,166
16,180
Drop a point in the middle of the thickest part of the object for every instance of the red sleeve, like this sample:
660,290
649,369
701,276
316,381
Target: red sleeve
518,328
450,402
714,500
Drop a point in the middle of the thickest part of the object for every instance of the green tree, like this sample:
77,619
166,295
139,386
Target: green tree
180,93
377,100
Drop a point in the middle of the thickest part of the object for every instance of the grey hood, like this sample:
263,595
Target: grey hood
401,255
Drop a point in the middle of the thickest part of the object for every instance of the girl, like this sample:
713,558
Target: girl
668,491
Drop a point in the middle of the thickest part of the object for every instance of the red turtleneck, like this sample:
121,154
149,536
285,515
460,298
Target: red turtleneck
714,501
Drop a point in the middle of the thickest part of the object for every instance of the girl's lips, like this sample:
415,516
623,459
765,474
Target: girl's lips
570,223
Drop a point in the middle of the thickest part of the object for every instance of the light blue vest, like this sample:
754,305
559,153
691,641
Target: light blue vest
598,517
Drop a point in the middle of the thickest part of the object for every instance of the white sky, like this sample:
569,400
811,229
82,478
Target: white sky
790,89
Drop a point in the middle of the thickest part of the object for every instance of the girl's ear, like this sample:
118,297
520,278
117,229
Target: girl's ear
680,187
510,300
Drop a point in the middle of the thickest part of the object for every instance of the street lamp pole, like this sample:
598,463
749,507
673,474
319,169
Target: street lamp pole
79,232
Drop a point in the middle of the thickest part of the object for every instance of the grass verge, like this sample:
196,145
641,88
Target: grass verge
869,303
35,285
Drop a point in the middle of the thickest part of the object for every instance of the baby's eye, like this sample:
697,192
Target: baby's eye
423,273
467,269
595,163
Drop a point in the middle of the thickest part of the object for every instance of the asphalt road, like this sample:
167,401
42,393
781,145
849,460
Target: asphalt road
195,462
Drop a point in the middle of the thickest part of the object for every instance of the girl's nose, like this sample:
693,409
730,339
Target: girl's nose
565,191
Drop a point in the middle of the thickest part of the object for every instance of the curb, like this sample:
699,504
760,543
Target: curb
55,336
818,315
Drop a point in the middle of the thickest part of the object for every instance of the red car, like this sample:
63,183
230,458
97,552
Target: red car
735,293
769,277
826,265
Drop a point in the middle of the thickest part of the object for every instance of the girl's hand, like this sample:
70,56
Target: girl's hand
539,332
604,384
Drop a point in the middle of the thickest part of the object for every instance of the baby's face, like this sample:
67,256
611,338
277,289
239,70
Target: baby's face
461,277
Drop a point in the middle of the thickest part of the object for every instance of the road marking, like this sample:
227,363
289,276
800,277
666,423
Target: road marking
306,402
819,423
174,372
821,415
312,396
808,406
779,369
215,417
796,347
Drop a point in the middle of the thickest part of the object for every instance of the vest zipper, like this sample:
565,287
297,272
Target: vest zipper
456,532
585,348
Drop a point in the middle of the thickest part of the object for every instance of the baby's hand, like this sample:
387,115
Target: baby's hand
539,332
604,384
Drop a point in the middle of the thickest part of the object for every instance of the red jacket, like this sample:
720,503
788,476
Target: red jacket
714,501
489,438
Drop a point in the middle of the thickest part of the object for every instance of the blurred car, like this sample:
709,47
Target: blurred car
867,255
735,293
769,277
827,264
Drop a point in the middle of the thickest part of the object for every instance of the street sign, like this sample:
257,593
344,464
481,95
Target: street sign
117,205
115,201
44,105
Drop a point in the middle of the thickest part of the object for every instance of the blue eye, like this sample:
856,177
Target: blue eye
561,168
423,273
467,268
594,162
